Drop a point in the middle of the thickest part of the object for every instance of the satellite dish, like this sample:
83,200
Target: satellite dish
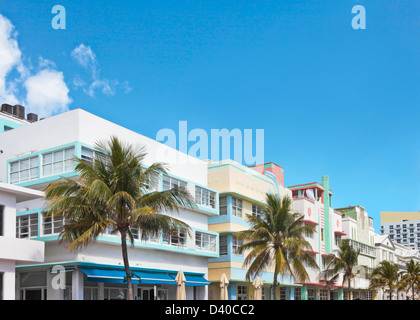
310,194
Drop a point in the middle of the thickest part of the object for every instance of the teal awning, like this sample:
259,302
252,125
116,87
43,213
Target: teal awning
107,275
196,281
154,277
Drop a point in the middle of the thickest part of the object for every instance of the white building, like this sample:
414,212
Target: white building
386,249
34,154
15,251
358,227
314,202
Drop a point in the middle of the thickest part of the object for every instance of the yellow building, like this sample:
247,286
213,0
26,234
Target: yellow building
241,189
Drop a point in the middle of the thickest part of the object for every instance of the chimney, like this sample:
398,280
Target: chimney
19,111
32,117
7,108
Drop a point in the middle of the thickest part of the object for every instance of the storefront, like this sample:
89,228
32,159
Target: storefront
88,282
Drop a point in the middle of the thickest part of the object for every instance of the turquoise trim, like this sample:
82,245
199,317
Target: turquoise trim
229,218
47,179
38,154
98,265
8,123
137,243
232,291
239,275
230,256
78,153
273,177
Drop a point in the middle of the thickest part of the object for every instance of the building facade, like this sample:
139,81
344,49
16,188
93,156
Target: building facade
358,227
242,190
403,227
14,251
39,152
389,250
314,201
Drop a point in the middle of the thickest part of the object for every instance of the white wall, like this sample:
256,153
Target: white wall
7,267
79,125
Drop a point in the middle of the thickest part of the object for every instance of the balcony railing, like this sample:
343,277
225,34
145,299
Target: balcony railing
364,248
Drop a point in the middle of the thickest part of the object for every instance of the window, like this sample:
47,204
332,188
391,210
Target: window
205,197
242,293
24,170
223,246
58,162
162,294
223,206
236,243
205,241
256,210
311,294
237,207
298,294
147,238
87,154
337,240
175,238
27,226
169,183
283,291
323,294
115,294
90,293
322,234
52,225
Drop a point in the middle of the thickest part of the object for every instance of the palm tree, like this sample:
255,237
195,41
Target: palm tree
411,276
386,275
115,192
276,237
344,261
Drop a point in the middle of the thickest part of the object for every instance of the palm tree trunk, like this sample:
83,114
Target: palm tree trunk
275,283
126,265
349,285
412,290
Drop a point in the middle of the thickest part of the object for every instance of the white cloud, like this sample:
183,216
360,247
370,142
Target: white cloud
10,59
46,91
85,56
87,59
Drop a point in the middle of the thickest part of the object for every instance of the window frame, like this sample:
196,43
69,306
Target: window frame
53,162
31,226
19,171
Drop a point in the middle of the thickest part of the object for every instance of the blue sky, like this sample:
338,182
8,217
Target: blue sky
332,100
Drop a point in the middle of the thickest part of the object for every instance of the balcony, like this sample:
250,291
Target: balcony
364,248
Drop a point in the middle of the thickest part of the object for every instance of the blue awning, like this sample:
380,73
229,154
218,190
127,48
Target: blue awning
154,277
140,277
196,281
107,275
